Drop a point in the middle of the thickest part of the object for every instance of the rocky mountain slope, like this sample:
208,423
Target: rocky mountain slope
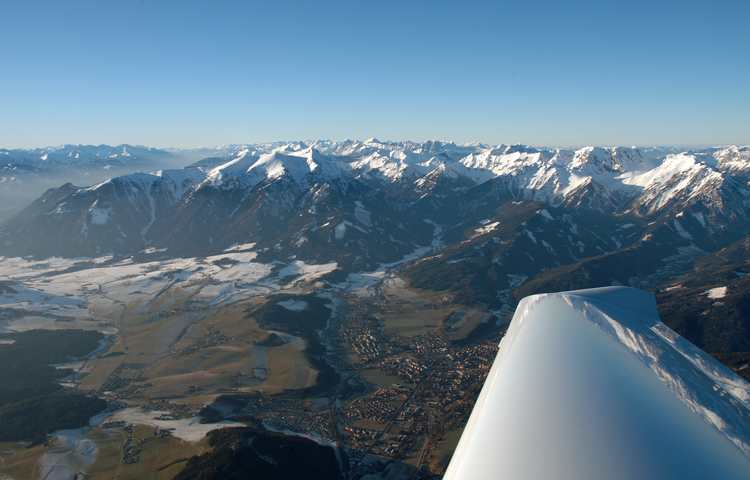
511,216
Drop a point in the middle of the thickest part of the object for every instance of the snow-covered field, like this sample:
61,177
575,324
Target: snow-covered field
188,429
70,452
94,293
304,272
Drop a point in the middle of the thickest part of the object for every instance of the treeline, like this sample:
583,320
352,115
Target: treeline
719,326
296,322
303,323
25,371
31,409
255,453
34,418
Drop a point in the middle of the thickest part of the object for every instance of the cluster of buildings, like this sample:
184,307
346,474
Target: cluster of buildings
131,451
211,339
405,367
362,336
293,415
437,386
425,343
110,425
174,411
123,382
370,408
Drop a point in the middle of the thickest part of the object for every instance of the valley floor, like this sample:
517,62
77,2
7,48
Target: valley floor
388,380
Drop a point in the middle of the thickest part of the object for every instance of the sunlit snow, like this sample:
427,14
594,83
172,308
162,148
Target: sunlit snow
293,304
716,293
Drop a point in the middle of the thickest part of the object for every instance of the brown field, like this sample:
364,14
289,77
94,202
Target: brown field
18,462
378,378
161,459
109,443
195,399
285,365
352,357
409,312
471,320
173,298
302,375
151,339
398,289
232,367
405,325
441,456
412,456
395,288
101,368
410,321
157,341
371,424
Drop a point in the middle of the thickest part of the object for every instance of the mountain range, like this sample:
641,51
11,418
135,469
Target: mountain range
489,224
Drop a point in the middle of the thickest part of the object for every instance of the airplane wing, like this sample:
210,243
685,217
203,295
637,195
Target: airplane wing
590,384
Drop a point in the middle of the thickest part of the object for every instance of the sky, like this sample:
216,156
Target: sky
545,73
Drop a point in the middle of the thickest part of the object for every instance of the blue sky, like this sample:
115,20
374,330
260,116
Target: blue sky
546,73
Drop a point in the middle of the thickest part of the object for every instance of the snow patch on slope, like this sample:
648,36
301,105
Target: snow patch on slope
716,293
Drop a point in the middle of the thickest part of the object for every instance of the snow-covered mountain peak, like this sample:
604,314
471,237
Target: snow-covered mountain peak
660,174
180,180
249,170
735,152
516,148
277,164
291,148
239,165
734,161
595,160
501,163
323,168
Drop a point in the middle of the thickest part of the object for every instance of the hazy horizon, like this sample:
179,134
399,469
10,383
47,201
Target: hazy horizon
239,144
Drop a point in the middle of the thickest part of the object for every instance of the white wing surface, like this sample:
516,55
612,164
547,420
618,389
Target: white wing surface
590,384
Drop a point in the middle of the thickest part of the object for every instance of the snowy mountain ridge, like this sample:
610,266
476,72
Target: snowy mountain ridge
546,175
553,176
370,202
